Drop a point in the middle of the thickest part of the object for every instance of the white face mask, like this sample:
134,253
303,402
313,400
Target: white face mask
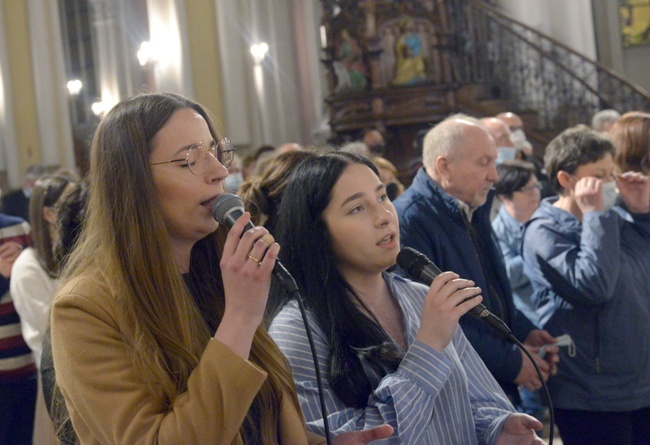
518,138
232,182
609,194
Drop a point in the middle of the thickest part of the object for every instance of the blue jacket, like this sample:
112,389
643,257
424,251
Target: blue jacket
432,223
510,234
590,280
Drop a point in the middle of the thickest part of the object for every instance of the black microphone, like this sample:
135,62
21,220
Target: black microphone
227,209
422,269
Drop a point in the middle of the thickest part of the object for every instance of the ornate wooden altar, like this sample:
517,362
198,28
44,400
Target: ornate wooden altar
388,67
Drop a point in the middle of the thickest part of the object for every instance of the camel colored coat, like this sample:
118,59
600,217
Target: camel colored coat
110,404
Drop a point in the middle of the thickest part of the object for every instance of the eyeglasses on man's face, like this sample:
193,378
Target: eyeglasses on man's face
198,156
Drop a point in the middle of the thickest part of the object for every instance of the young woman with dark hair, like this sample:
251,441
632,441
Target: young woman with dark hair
157,332
390,350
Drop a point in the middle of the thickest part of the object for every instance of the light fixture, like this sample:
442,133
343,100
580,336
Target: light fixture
99,108
147,54
74,87
259,50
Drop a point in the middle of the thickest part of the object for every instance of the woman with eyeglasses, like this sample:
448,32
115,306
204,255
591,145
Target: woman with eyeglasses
33,277
588,262
518,190
157,332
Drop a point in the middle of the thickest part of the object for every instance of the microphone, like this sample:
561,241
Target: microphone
227,209
422,269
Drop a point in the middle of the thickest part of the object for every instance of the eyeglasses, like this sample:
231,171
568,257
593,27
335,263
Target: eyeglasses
197,159
530,189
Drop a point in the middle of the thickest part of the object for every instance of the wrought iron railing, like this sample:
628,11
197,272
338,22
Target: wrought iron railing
534,72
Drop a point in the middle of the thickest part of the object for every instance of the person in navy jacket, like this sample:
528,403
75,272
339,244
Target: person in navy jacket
445,214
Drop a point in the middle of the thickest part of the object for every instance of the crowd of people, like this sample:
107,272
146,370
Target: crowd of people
133,316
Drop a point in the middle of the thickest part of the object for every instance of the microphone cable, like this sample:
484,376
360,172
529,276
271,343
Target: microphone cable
551,414
319,382
423,270
226,209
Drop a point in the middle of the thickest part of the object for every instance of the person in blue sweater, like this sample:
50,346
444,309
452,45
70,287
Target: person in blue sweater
588,261
445,214
518,190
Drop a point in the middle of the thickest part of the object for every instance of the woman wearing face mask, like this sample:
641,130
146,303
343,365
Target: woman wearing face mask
588,265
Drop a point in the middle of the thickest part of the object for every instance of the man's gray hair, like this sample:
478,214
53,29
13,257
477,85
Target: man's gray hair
445,138
603,117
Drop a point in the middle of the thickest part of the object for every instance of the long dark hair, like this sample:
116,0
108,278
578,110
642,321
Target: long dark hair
354,338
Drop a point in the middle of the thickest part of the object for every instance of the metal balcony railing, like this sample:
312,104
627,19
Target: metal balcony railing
532,71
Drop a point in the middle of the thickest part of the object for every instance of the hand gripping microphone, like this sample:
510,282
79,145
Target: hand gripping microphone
227,209
422,269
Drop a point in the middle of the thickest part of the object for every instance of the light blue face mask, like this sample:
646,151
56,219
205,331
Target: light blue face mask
232,182
505,154
609,194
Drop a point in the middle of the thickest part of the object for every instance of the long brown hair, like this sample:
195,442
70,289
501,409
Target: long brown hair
262,194
169,331
631,137
47,191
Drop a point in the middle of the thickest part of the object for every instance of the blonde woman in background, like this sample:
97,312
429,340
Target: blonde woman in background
388,175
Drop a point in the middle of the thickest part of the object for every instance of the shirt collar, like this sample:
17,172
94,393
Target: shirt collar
466,209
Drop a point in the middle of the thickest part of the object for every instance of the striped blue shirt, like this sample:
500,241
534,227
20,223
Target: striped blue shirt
433,397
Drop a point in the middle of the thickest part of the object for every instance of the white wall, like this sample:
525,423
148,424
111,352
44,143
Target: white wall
50,81
263,104
8,154
568,21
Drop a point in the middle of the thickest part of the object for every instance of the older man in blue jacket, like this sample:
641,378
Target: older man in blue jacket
445,214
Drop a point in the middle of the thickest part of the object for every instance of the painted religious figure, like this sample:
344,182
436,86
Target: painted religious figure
409,66
350,69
